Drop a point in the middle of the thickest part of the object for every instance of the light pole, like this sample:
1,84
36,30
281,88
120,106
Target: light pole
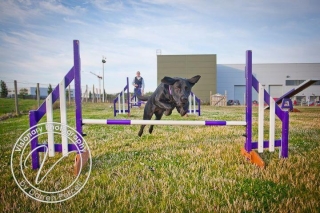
104,60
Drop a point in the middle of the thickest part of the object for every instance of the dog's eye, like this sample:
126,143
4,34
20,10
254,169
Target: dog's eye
186,88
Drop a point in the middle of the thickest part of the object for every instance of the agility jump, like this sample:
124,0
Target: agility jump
194,104
247,150
120,101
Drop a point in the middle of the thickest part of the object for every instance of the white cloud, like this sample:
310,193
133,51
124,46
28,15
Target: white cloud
10,11
9,40
108,5
25,2
55,7
74,21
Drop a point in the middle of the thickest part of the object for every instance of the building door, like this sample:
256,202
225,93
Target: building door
239,91
275,91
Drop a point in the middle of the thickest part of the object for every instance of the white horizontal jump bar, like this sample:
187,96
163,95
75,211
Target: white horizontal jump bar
236,123
164,122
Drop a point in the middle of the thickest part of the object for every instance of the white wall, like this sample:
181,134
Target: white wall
229,75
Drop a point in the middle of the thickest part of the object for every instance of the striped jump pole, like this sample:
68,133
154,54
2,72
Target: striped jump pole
194,104
120,101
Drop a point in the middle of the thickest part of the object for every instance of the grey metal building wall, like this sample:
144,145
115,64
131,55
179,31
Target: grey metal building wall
187,66
272,76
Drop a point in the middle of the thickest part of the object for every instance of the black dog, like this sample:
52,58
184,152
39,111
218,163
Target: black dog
171,93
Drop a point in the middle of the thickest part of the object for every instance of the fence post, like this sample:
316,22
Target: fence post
38,94
87,93
69,95
225,97
93,94
16,97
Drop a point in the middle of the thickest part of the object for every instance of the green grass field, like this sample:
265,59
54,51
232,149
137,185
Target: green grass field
7,105
179,168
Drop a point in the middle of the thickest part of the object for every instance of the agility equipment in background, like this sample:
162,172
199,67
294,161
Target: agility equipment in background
119,101
249,145
285,100
134,101
194,104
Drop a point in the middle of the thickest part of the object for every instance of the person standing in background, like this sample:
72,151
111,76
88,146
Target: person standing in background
138,84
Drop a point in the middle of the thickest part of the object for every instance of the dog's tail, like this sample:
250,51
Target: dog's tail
142,98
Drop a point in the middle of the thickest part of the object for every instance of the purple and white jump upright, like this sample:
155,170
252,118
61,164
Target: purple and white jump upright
251,81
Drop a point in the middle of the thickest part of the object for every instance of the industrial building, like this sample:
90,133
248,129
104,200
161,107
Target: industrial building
277,78
187,66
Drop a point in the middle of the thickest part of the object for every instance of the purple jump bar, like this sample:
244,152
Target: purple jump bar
119,122
266,144
216,123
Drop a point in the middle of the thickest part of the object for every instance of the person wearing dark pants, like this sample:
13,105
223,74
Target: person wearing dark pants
138,84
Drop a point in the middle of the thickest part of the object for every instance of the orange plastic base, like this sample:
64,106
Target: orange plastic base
253,157
295,110
77,162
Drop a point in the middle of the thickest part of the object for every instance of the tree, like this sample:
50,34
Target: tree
23,92
4,90
49,89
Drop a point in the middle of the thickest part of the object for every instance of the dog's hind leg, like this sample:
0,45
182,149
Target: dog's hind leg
147,115
158,115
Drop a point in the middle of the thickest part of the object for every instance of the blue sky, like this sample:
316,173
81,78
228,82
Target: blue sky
36,36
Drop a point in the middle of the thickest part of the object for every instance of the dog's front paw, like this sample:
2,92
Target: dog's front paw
168,112
182,111
178,109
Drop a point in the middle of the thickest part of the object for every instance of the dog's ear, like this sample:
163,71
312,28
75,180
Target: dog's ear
168,80
194,80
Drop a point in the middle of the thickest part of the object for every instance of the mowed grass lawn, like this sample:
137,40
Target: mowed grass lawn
180,168
7,105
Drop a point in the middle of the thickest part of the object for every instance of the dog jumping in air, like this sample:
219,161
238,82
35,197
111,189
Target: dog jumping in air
170,94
